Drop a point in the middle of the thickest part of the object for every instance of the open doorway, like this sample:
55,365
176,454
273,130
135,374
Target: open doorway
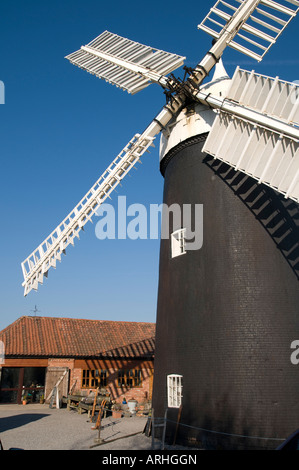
18,383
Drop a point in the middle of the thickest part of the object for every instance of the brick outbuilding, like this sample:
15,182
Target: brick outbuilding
115,355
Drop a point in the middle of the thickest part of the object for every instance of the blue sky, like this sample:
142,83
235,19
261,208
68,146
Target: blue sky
61,128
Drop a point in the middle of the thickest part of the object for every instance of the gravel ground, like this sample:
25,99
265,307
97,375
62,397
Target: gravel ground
38,427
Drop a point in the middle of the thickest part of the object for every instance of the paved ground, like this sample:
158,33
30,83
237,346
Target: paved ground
38,427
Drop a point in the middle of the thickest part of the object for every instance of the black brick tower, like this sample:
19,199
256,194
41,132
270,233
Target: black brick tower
228,313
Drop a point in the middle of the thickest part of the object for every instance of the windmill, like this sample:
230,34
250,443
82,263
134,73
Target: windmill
232,146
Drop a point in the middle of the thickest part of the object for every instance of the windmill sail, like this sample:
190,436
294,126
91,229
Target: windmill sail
268,154
127,64
268,95
37,265
268,157
259,32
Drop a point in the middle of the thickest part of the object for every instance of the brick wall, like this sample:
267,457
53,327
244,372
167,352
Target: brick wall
73,379
141,393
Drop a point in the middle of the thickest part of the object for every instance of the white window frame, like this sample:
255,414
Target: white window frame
174,390
178,242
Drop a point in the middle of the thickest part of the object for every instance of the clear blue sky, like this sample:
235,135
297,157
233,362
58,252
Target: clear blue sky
61,127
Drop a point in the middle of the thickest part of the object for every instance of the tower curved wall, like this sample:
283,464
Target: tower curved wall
228,312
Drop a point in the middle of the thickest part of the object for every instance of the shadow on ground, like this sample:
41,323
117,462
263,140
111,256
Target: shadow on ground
16,421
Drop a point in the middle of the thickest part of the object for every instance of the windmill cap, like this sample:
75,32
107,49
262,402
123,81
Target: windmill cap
220,82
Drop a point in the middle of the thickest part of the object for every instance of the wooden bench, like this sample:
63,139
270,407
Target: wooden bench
75,402
87,407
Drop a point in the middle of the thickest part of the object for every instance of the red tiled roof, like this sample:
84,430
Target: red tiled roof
71,337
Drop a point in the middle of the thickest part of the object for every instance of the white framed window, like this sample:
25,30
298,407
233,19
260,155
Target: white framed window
174,390
178,242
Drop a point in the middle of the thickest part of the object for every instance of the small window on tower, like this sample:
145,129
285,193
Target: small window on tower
178,242
174,390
